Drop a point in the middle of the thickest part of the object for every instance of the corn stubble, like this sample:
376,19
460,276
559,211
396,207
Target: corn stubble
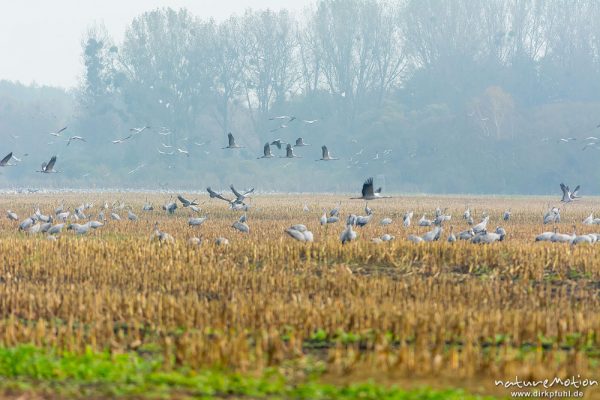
457,310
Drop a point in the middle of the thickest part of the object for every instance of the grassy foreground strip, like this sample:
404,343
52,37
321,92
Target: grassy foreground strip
26,367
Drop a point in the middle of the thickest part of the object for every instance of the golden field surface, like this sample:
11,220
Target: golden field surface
438,313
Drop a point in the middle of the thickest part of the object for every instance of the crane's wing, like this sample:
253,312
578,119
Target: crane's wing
565,191
235,192
6,159
60,130
299,141
247,192
325,151
288,151
214,194
231,139
51,163
182,199
267,149
367,189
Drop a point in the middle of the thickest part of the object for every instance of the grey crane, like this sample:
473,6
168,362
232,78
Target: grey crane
48,167
406,218
351,220
45,227
361,221
451,237
240,197
467,213
79,229
325,156
336,210
386,222
348,235
480,227
568,195
267,152
185,202
160,236
42,217
35,228
216,195
328,220
415,239
301,143
425,222
368,192
562,237
196,221
231,142
552,215
241,226
485,237
56,229
131,216
26,223
546,236
466,235
433,235
506,215
289,152
170,207
582,239
300,233
441,218
11,215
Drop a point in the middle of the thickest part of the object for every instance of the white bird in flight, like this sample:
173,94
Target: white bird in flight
122,140
73,138
58,132
139,130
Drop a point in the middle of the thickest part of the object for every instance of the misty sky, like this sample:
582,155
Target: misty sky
40,40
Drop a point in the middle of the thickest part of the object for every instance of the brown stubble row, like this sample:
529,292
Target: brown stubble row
461,310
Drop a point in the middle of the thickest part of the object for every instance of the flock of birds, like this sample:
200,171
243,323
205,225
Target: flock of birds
171,147
63,219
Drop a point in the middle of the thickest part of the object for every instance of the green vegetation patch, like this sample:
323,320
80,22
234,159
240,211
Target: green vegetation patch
28,368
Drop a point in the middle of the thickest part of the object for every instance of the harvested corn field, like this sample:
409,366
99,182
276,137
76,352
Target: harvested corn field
392,311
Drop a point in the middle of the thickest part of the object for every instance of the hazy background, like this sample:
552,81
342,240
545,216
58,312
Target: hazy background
40,40
426,95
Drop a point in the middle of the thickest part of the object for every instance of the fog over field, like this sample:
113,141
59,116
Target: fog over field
427,96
